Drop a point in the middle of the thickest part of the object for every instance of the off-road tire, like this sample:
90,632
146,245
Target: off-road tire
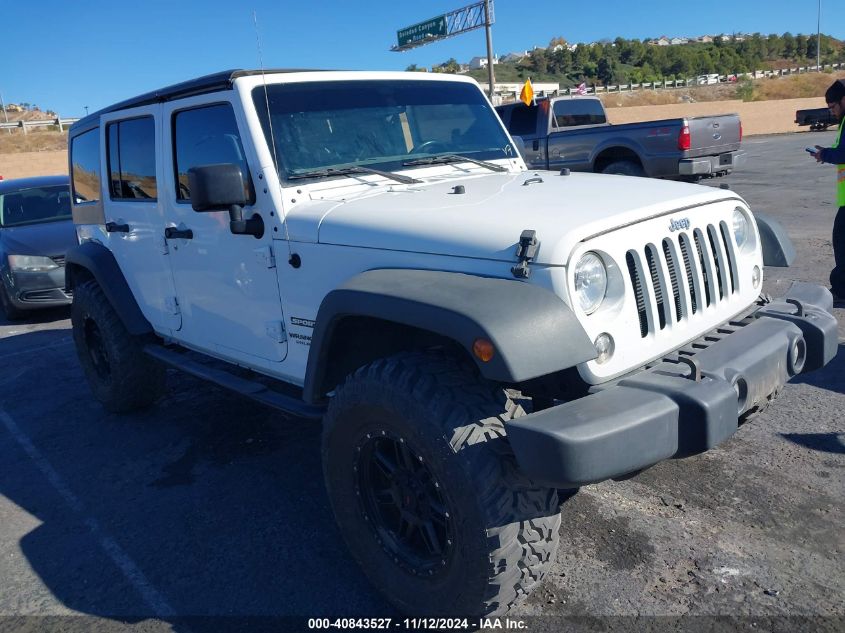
9,310
120,375
506,528
624,168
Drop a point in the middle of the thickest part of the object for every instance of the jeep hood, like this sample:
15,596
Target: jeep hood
486,220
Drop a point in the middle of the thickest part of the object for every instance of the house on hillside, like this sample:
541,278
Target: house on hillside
477,63
677,41
513,57
705,39
661,41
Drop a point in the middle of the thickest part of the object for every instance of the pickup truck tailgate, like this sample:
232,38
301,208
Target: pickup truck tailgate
713,135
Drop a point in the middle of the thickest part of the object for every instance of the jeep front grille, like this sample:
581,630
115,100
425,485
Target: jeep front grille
692,271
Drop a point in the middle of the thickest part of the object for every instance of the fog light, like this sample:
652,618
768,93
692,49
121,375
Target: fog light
756,276
604,347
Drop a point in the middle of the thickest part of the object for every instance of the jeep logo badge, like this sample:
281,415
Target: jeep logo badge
677,225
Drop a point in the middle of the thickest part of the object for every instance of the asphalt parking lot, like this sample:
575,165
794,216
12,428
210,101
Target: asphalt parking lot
211,505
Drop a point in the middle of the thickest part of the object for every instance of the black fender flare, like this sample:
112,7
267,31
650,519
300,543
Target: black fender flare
778,250
101,264
533,331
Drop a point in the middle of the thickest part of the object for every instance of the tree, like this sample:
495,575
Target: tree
788,45
451,66
606,70
538,62
800,47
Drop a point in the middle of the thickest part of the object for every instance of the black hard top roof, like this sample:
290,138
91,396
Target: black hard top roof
201,85
16,184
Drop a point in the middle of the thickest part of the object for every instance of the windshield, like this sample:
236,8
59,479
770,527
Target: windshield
34,205
376,123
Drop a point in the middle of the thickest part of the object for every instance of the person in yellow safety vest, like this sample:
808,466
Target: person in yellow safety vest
835,154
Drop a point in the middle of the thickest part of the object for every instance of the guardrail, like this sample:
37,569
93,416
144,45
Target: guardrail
23,125
668,85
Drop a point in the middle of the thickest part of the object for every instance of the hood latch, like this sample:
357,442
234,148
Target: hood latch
525,252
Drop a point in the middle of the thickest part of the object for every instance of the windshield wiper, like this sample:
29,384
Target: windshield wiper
454,158
345,171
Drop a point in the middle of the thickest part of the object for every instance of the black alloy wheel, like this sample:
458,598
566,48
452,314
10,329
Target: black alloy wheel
403,503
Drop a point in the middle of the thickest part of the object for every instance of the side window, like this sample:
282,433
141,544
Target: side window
571,112
207,136
85,166
132,167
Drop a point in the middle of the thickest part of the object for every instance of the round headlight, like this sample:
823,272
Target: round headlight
590,282
740,227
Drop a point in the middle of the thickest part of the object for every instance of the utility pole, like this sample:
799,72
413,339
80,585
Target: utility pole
819,40
487,23
5,114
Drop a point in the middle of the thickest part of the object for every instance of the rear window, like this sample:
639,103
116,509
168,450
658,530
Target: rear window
85,166
35,205
569,112
523,120
132,166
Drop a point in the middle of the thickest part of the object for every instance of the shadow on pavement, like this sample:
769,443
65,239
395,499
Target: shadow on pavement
823,442
214,502
38,317
830,377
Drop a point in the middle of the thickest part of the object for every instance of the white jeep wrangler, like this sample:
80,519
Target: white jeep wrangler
369,249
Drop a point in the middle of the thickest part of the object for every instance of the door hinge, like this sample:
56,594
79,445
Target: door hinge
172,305
525,252
276,331
265,256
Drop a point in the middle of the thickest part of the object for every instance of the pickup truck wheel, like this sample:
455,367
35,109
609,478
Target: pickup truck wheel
121,376
624,168
426,491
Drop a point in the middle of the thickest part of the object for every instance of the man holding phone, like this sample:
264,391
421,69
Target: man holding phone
835,154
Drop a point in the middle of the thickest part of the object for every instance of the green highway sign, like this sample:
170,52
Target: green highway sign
435,27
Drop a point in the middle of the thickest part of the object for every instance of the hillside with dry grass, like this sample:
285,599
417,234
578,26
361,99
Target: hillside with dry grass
41,139
802,86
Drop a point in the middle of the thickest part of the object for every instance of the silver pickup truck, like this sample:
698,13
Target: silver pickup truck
566,132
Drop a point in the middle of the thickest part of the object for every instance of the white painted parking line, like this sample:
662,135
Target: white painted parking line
151,596
30,350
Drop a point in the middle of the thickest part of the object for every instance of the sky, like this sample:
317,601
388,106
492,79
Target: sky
65,56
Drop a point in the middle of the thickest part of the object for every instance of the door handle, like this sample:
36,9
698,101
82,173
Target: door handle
172,233
113,227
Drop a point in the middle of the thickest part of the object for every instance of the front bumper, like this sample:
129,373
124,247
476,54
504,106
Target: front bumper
710,164
28,291
684,405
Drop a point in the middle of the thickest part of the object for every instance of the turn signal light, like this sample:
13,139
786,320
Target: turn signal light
483,350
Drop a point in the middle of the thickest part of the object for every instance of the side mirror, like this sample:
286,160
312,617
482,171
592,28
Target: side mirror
216,187
221,188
